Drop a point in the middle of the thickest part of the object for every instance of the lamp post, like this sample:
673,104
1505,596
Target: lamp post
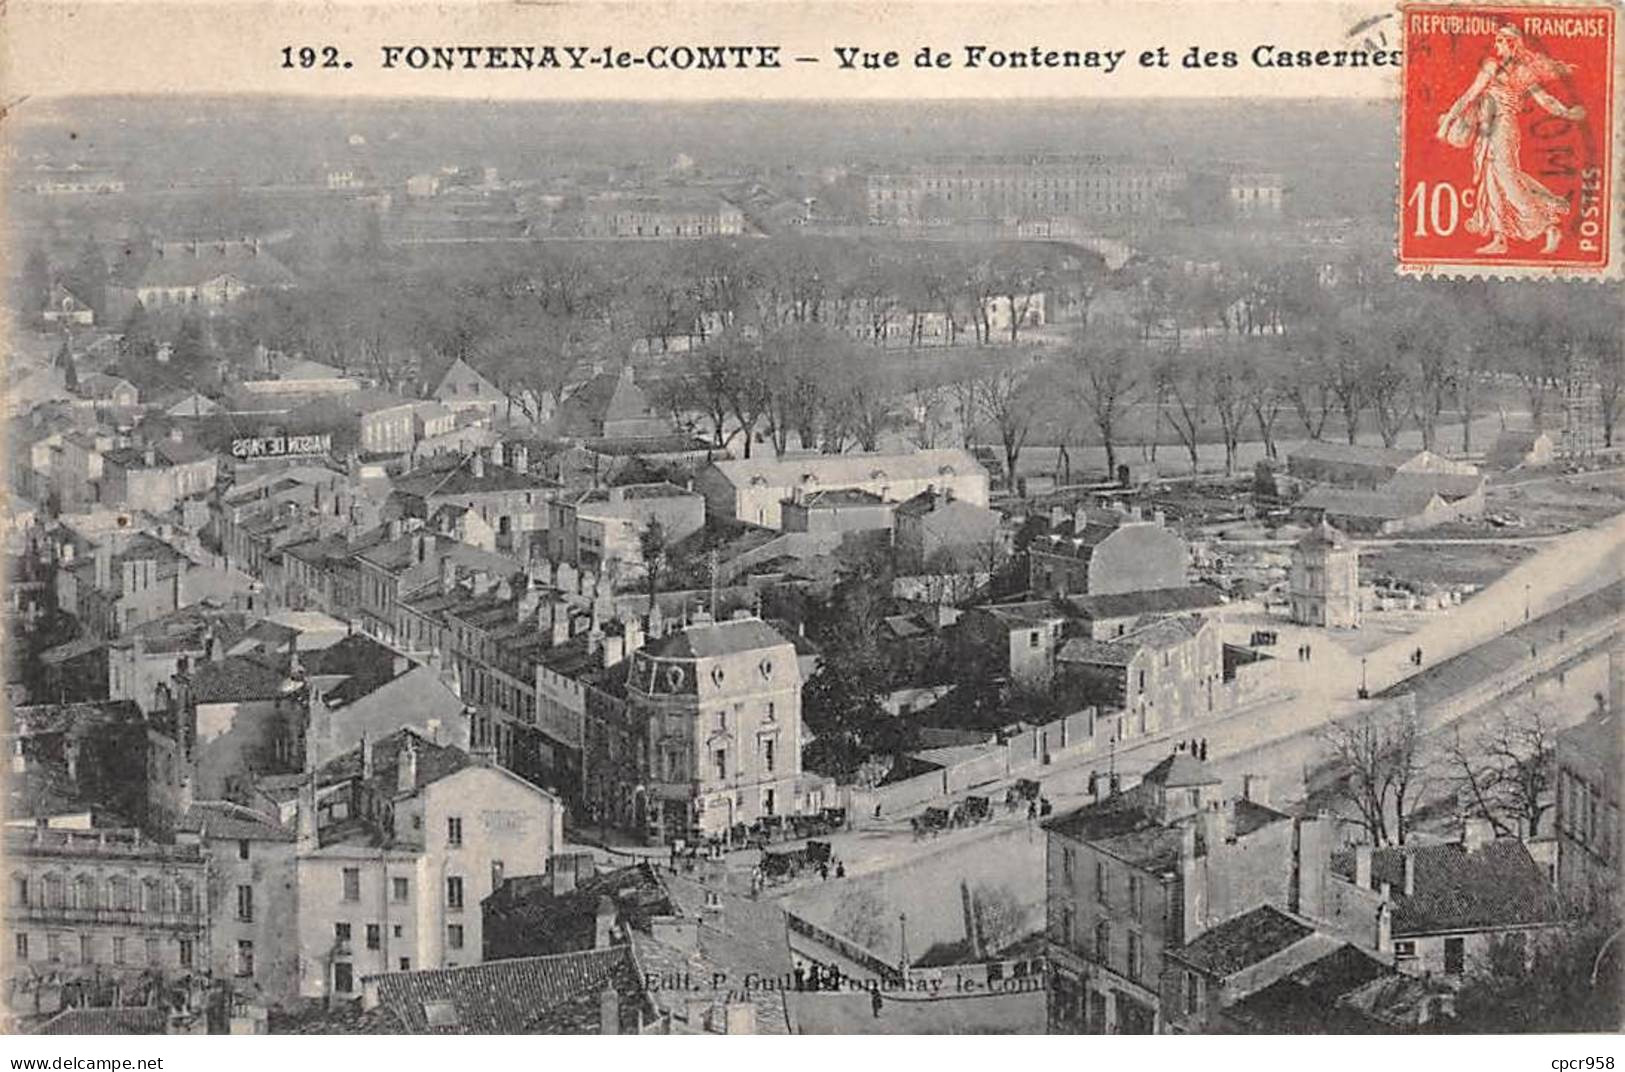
1364,691
1526,602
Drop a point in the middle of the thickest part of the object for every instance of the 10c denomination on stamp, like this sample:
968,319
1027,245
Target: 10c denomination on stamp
1507,141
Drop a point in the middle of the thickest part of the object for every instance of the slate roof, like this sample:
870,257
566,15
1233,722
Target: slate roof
434,762
606,398
232,822
838,497
522,996
1353,454
1314,999
457,478
177,267
1158,633
239,678
127,1020
713,639
1181,770
460,375
1323,535
1242,941
1153,601
1497,885
523,917
1386,504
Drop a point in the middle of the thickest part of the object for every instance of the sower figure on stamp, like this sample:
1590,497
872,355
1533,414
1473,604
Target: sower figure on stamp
1508,201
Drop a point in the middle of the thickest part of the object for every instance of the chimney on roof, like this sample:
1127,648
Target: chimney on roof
395,528
476,465
1475,834
366,757
420,547
306,820
448,575
1409,882
558,620
519,457
609,1012
149,456
1362,866
1256,788
406,766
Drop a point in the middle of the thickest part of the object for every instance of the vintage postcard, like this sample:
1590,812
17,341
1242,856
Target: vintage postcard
812,519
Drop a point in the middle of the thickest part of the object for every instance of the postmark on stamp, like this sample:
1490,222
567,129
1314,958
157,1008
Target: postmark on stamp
1507,141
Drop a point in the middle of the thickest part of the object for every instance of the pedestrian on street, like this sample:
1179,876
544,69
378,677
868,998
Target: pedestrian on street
1203,756
1032,810
874,1001
1308,653
840,868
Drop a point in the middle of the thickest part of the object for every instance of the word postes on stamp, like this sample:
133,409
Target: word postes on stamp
1507,163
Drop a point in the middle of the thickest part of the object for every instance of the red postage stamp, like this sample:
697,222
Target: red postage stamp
1507,141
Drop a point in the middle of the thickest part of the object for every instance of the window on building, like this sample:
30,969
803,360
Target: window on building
186,894
1142,681
406,964
454,893
1136,890
1134,955
352,884
118,950
375,938
497,870
1032,639
86,953
185,954
454,831
1068,925
395,931
245,959
1404,950
721,758
343,977
454,936
341,932
1103,942
22,946
152,951
399,889
245,903
19,890
1193,994
1100,881
767,755
771,711
242,848
1068,865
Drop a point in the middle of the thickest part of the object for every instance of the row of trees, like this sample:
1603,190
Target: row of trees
1387,770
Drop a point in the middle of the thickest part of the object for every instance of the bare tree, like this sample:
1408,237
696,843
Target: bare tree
1008,402
1266,398
1379,762
1187,385
1228,394
1310,392
1388,389
1504,772
1104,379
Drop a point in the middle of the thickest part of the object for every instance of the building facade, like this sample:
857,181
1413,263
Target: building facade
1324,581
720,703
